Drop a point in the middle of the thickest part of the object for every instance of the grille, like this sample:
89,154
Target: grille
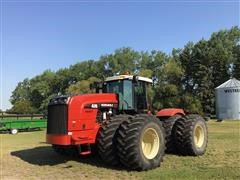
57,119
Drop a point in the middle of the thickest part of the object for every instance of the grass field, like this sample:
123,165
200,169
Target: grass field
26,156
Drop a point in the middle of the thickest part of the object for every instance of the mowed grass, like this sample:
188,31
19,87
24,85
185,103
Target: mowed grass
26,156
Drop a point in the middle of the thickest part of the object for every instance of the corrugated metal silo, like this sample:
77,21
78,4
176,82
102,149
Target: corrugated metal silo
228,100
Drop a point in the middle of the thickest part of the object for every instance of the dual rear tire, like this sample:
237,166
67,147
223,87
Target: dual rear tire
168,125
186,135
191,135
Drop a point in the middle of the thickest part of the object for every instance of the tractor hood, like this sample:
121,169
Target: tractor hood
86,99
82,109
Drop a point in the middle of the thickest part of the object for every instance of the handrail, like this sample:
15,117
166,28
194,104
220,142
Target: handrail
2,116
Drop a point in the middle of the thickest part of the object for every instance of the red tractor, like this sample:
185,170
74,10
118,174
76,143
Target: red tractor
117,120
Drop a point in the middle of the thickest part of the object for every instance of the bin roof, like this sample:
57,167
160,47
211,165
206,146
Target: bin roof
231,83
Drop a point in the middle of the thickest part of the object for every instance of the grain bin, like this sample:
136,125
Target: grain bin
228,100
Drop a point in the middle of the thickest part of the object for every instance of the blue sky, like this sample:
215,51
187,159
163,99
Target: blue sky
40,35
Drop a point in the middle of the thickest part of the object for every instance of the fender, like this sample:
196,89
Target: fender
168,112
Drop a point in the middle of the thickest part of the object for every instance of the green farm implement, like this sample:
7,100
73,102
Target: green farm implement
14,124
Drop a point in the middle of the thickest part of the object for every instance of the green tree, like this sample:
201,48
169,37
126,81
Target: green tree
168,89
41,88
82,87
22,107
21,92
186,59
63,78
236,63
191,104
203,77
146,73
124,60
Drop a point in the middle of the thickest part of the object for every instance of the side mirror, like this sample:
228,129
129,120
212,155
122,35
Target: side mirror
135,79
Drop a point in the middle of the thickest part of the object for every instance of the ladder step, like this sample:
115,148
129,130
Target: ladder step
85,153
84,149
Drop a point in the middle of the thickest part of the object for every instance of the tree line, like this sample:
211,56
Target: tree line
186,78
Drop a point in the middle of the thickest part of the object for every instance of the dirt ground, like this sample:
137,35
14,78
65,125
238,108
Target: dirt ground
27,156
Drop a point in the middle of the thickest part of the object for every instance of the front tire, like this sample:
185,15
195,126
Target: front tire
106,140
141,143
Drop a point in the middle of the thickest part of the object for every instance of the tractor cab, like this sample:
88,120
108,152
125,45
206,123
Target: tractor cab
132,92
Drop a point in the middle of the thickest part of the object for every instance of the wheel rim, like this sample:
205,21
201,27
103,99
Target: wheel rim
150,143
199,136
14,131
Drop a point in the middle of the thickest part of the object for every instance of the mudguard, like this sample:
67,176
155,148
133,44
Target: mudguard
168,112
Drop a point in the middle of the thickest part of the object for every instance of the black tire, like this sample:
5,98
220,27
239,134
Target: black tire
191,135
129,143
106,140
168,125
66,150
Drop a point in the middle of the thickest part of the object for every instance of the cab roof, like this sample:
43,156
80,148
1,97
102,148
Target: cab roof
121,77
